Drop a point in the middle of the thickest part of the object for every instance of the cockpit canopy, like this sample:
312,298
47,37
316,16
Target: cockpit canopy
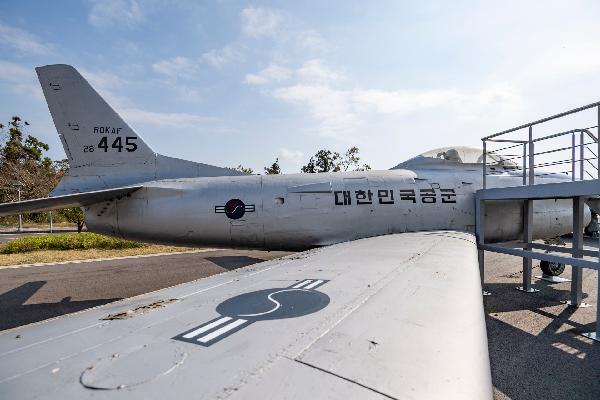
455,155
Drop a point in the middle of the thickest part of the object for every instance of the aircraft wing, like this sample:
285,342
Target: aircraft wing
65,201
391,317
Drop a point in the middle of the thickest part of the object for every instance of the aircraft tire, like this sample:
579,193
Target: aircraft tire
552,268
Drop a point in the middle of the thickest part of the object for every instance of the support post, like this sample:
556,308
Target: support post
527,238
572,156
528,221
481,259
480,237
581,156
20,216
524,164
485,164
577,252
596,335
531,161
50,215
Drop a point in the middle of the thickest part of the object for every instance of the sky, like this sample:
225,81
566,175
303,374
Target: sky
228,82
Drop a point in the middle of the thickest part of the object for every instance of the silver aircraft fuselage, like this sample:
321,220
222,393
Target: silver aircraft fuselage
170,200
301,211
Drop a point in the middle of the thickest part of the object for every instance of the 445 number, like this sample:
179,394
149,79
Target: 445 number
129,145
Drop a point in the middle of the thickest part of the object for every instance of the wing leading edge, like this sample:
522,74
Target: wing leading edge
64,201
397,316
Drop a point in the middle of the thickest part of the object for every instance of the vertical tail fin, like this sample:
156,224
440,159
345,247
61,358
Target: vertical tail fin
103,151
92,133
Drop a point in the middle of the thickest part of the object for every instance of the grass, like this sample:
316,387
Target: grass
46,256
41,225
74,246
67,241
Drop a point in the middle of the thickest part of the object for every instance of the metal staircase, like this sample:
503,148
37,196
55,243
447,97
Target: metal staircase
547,147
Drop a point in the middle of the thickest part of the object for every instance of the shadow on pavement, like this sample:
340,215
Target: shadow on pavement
19,295
505,297
234,262
14,312
570,361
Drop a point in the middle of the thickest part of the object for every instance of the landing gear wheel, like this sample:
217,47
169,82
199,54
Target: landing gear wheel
552,268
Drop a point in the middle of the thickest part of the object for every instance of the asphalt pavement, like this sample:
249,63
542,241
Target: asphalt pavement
536,350
32,294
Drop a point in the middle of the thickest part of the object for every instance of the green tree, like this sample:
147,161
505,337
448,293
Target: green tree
22,161
331,161
243,169
323,161
61,166
74,215
16,150
351,161
274,169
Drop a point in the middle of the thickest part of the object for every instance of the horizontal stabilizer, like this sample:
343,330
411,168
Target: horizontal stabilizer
66,201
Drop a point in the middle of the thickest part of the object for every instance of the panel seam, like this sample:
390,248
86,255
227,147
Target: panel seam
344,378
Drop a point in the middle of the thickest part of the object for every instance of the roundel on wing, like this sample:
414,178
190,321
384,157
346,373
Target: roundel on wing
235,209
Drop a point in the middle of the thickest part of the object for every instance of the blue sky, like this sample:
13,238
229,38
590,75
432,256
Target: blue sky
232,82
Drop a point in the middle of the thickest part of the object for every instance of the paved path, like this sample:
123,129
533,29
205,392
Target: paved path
36,293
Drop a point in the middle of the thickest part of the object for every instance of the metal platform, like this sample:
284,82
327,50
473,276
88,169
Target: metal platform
584,186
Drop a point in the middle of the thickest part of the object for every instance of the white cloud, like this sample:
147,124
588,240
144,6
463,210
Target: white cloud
330,107
318,71
15,72
175,120
102,80
287,156
187,93
311,40
108,85
22,41
273,73
20,80
108,13
553,63
290,160
177,67
402,101
463,104
258,21
32,90
338,110
219,57
180,69
312,71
